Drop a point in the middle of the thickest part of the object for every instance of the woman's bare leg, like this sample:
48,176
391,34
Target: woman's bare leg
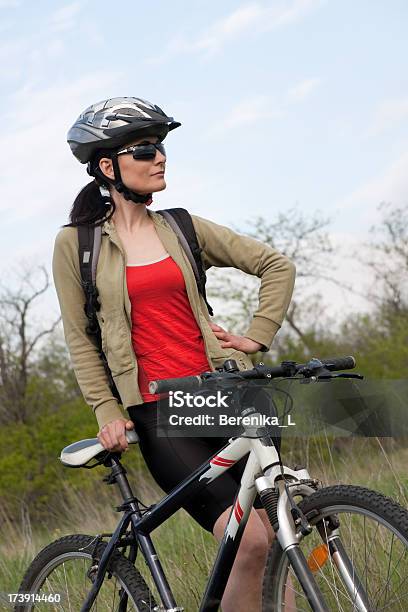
267,524
244,588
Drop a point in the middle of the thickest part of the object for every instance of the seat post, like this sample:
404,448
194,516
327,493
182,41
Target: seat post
118,476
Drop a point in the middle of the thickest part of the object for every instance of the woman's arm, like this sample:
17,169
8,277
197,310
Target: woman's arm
222,247
87,365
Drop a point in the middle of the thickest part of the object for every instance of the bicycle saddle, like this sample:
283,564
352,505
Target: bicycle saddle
80,453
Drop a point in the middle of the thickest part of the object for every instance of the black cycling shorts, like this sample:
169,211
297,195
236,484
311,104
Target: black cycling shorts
171,459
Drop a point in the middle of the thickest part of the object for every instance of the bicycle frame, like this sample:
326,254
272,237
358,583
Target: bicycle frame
263,459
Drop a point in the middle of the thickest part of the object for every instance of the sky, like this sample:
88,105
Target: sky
282,102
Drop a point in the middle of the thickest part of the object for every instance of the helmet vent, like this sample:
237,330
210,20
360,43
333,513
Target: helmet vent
128,111
109,123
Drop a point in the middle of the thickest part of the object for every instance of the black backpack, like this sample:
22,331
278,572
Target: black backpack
89,240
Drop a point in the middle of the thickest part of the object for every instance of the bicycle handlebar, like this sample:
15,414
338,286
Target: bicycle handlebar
286,369
339,363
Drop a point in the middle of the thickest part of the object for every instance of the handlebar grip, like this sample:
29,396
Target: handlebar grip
340,363
188,383
276,372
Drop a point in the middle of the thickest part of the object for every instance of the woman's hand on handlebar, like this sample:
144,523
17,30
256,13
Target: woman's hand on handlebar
240,343
112,435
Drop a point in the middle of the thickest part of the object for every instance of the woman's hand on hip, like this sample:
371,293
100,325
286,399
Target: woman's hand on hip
240,343
112,435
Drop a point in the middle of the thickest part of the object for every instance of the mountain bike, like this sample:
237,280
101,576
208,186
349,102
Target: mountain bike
336,548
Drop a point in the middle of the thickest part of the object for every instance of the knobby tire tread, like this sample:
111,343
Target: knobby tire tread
354,495
119,565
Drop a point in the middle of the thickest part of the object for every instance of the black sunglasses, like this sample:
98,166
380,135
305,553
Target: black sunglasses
144,150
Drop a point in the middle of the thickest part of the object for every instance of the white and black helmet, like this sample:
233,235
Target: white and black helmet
112,123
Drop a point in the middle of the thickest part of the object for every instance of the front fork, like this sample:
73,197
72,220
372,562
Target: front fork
278,506
348,573
283,523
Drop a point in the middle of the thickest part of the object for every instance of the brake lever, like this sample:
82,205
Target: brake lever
341,375
327,377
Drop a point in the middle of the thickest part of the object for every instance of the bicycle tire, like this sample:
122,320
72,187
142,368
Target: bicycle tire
341,500
48,571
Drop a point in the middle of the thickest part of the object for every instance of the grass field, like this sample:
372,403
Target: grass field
186,551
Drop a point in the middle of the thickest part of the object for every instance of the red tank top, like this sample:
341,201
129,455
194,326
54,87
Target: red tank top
165,335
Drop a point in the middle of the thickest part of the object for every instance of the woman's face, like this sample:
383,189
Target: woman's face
140,175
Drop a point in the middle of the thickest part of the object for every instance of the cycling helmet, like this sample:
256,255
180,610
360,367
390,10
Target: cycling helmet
104,127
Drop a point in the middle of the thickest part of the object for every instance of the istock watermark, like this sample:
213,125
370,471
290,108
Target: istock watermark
366,408
179,399
219,413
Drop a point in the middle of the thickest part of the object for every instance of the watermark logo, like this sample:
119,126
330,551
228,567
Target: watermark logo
220,413
341,408
179,399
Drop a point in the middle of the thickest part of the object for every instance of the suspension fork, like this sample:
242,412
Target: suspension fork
278,507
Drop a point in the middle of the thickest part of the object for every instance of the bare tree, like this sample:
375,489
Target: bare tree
386,256
19,341
306,242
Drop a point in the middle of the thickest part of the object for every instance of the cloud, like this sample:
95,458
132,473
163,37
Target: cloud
391,185
34,150
248,19
256,108
229,28
6,27
302,90
28,57
12,54
388,114
9,3
247,112
64,18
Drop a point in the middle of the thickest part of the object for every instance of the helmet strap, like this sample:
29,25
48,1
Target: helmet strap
128,194
118,184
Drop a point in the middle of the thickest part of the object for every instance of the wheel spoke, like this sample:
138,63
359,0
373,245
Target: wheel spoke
402,599
388,572
66,584
404,553
372,544
331,567
65,568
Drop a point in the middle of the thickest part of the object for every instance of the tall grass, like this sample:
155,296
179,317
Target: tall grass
186,551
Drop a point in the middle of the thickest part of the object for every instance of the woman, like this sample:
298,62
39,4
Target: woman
154,322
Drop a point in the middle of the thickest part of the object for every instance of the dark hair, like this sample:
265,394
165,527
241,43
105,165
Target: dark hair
90,207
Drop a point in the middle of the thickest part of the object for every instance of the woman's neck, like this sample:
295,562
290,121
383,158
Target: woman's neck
128,215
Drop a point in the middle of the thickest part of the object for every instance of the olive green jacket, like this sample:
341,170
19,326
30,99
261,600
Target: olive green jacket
221,247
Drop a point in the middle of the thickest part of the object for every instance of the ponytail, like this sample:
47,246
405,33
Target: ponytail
90,207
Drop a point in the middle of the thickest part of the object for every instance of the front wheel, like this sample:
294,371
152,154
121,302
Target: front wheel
61,576
357,551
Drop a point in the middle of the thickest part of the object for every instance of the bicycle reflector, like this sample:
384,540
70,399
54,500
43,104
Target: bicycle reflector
318,557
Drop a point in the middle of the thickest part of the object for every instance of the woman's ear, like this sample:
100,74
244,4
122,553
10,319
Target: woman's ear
106,166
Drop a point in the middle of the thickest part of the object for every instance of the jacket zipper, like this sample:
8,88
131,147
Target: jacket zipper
122,290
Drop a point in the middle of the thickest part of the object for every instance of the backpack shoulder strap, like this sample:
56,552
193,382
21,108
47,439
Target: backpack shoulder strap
180,221
89,246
